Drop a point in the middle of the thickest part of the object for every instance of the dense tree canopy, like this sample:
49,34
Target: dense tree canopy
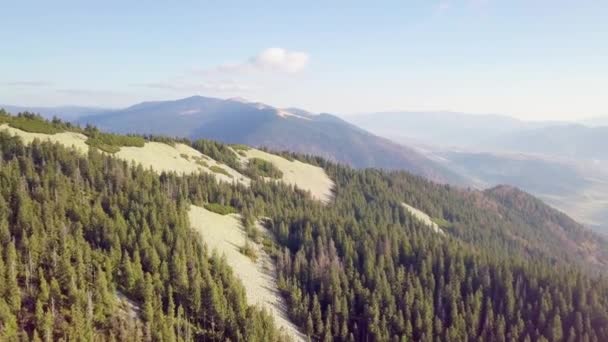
93,248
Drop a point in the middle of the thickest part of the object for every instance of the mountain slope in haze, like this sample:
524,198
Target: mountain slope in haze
438,128
557,228
562,163
573,140
256,124
67,113
576,187
597,121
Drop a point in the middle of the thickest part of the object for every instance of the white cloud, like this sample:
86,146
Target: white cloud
274,59
443,6
278,59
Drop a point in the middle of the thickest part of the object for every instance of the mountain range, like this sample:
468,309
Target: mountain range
257,124
562,163
152,238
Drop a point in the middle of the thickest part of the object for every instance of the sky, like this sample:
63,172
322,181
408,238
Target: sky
532,59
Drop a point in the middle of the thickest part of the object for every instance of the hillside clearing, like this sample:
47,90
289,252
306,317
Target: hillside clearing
179,158
224,233
72,139
160,157
304,176
422,217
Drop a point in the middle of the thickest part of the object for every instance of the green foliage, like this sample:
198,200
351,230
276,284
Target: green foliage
166,140
33,123
201,162
261,168
249,251
220,170
357,269
220,208
240,147
219,152
111,143
65,257
185,156
441,222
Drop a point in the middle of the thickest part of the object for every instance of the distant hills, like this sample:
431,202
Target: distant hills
573,140
490,132
438,128
565,164
597,121
578,188
257,124
69,113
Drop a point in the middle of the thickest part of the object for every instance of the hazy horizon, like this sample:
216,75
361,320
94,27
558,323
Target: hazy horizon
465,56
342,115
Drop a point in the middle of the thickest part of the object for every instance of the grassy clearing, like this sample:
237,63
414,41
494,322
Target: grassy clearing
220,209
423,217
226,235
303,175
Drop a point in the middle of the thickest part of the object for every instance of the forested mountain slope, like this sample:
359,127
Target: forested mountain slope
79,232
261,125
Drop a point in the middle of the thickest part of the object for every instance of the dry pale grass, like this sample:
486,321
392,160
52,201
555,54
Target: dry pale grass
162,157
157,156
71,139
225,234
304,176
422,217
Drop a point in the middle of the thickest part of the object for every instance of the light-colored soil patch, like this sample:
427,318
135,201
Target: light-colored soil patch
162,157
422,217
127,307
304,176
225,234
158,156
69,139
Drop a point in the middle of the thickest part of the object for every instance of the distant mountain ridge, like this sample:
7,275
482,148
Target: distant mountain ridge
258,124
436,127
70,113
573,140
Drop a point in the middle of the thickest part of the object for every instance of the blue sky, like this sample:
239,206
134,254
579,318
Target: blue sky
533,59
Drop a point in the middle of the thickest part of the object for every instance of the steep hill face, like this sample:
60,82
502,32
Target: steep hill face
576,187
256,124
553,226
